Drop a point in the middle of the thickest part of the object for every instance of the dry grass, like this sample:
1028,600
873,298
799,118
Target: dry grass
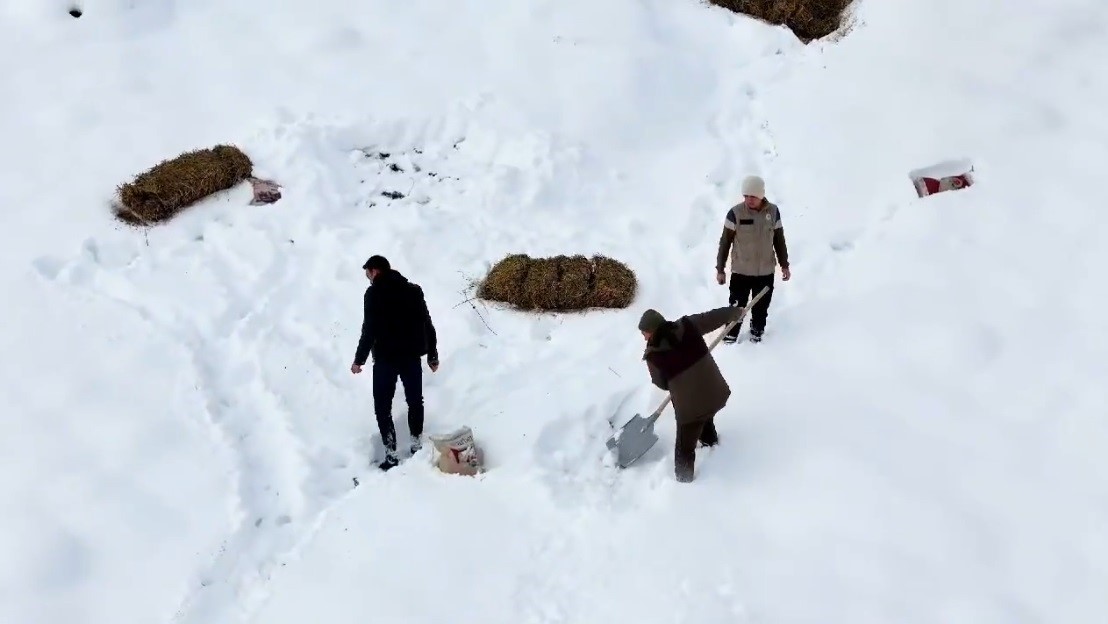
808,19
614,285
172,185
561,283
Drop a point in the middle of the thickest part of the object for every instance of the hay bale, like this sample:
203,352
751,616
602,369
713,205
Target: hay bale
614,284
808,19
575,282
561,283
815,20
540,289
772,11
504,283
172,185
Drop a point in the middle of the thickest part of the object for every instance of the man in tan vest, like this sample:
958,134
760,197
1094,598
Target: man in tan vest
754,239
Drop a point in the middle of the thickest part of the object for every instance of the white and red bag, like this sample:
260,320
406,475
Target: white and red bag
458,453
950,175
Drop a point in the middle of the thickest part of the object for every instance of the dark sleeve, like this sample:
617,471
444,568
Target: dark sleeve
656,377
779,246
707,322
429,329
365,342
725,240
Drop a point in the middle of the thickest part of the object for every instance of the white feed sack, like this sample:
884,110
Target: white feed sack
458,453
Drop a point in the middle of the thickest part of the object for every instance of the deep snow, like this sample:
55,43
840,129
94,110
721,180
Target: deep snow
920,439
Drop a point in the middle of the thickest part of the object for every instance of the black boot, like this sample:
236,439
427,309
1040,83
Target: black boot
733,335
388,439
390,462
709,436
391,458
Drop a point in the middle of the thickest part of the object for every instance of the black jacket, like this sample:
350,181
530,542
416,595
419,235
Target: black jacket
396,323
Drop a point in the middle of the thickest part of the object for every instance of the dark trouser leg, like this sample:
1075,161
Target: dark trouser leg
708,435
760,311
739,294
384,388
411,375
684,452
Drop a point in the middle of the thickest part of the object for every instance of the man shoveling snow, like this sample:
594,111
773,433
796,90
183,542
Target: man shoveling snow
680,361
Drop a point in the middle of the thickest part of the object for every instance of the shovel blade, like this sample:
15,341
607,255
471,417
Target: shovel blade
635,439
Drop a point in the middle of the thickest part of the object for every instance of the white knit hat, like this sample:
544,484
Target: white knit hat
754,186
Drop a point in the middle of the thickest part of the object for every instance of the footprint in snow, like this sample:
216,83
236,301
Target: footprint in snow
49,267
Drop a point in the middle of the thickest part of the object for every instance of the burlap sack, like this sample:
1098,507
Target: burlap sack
458,453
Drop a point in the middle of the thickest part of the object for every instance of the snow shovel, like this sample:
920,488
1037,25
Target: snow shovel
637,436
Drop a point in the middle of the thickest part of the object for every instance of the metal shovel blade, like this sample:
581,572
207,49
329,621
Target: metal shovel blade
635,439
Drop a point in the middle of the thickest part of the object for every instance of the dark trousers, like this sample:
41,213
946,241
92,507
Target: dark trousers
742,288
385,374
684,452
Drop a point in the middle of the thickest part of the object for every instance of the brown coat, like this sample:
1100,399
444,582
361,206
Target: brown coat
679,361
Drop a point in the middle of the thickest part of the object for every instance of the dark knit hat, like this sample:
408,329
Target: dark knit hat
651,320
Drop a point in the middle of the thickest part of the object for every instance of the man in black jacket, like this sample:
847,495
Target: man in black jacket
397,330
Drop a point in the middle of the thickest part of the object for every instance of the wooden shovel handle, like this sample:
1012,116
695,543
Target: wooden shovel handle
715,341
723,333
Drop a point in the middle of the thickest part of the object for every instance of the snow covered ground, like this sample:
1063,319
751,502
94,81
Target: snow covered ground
921,437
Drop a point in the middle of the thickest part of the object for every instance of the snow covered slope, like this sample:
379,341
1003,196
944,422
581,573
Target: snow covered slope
920,438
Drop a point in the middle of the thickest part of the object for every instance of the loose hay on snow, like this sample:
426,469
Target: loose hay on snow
561,283
172,185
808,19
